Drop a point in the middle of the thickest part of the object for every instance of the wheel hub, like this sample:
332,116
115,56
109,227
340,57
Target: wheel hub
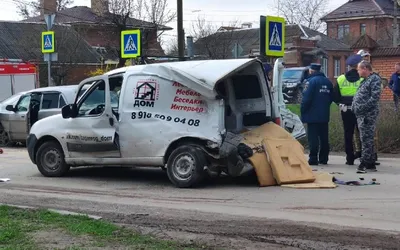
184,167
51,160
3,137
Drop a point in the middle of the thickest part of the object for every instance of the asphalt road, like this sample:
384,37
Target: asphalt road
234,214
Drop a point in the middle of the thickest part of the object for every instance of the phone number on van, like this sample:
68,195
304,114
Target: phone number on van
146,115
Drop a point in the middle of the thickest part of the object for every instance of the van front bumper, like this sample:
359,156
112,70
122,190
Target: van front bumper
30,145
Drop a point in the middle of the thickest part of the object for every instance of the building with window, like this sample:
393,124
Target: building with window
358,17
367,25
303,46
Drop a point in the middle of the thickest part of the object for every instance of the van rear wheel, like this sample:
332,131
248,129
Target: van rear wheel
185,167
50,160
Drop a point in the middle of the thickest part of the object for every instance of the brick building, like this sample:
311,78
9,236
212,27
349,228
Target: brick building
98,27
75,57
302,47
367,25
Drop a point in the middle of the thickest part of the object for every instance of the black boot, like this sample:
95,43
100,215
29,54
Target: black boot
362,168
350,161
357,155
376,160
371,167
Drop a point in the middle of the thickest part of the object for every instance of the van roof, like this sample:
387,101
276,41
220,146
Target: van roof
200,76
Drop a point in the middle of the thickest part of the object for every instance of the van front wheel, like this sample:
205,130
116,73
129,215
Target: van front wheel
185,167
50,160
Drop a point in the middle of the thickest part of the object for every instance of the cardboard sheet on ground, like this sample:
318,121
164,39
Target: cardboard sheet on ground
288,163
260,162
322,180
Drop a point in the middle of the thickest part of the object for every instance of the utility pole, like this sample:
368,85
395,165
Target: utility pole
181,34
395,25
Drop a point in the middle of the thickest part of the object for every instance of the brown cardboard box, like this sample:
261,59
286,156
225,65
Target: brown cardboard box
259,160
288,163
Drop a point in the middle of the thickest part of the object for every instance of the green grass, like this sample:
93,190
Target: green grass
18,225
388,129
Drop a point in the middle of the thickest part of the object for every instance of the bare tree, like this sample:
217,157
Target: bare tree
32,8
172,47
71,43
213,41
304,12
155,12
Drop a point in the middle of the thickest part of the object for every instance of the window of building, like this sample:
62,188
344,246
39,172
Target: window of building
337,67
363,28
343,31
324,66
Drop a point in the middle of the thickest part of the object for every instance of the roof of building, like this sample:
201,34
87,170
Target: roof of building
365,42
361,8
326,42
23,41
220,44
84,14
385,51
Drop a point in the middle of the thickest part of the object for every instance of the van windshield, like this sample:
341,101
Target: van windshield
292,74
96,98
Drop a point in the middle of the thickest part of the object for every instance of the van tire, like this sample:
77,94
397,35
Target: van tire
185,166
50,160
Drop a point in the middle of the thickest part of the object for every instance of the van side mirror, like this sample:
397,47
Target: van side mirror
10,108
66,111
69,111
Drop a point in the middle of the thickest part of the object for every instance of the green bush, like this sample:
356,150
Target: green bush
388,129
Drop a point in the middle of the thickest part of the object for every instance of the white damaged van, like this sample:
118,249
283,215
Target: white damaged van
182,116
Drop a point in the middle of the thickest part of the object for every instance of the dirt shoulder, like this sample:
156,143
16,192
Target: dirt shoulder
41,229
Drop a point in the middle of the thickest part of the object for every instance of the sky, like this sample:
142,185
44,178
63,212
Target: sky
217,12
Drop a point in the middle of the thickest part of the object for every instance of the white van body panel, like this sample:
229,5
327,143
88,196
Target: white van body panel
170,111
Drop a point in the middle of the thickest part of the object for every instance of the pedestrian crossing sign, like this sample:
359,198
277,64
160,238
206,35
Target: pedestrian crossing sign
275,40
48,42
130,43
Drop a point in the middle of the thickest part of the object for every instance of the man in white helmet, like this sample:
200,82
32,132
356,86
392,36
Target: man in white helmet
366,57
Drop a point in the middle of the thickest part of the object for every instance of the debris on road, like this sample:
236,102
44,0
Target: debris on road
5,179
1,151
322,180
282,160
355,183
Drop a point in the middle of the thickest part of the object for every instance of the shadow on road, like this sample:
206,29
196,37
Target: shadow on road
152,176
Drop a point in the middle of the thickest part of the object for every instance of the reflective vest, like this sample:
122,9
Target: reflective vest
348,88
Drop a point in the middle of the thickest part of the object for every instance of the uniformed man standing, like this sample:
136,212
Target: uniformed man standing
367,57
346,88
315,112
366,108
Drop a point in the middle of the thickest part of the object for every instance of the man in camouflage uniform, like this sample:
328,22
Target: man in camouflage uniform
366,57
366,108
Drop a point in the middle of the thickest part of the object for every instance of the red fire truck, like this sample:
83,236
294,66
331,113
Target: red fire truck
17,76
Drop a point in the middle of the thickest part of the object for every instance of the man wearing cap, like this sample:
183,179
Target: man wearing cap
346,88
394,85
366,108
366,57
315,112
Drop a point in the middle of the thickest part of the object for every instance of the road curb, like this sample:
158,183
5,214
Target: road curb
58,211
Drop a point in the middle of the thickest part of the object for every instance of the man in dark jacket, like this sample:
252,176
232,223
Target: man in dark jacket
366,108
394,85
346,88
315,111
